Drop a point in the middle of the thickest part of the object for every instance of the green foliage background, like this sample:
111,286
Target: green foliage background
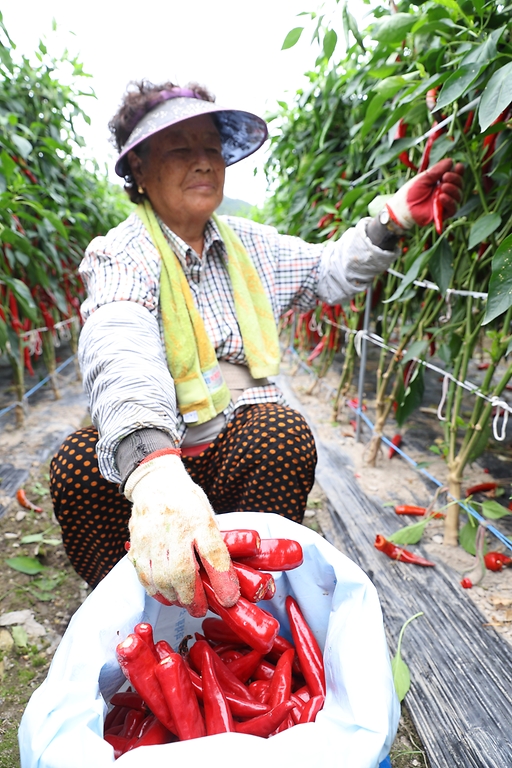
52,201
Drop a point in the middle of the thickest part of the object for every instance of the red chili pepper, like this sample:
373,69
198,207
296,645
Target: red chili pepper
317,350
266,724
401,133
245,666
145,631
161,650
154,733
230,683
118,744
230,655
139,667
132,723
281,683
242,543
218,631
129,699
398,553
425,158
172,674
245,709
481,488
432,345
311,709
396,442
16,325
406,509
469,121
253,583
496,561
276,555
307,648
466,583
217,713
264,671
27,361
271,588
260,689
21,497
437,209
431,98
325,220
255,626
115,718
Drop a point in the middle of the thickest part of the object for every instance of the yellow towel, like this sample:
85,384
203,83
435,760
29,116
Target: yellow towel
200,388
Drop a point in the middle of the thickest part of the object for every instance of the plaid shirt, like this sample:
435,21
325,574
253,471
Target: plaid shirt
122,353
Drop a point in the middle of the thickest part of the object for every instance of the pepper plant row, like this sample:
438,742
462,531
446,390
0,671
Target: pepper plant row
421,83
240,675
52,201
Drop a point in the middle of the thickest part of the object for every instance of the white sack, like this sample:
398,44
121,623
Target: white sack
62,726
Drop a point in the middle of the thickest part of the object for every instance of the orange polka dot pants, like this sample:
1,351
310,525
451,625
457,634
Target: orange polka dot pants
264,461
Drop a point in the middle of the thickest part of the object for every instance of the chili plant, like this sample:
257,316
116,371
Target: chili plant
421,83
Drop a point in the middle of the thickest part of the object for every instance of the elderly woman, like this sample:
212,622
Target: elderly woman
180,345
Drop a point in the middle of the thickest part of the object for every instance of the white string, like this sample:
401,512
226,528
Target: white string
500,404
434,287
379,342
443,399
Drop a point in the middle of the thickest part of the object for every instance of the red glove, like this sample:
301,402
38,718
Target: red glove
413,203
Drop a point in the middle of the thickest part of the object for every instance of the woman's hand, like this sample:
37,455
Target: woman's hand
414,202
172,532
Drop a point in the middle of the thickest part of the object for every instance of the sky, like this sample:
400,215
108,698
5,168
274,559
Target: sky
231,46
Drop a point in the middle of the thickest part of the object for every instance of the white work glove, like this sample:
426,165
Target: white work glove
172,531
414,202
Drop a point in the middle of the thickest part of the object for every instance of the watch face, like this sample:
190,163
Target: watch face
384,216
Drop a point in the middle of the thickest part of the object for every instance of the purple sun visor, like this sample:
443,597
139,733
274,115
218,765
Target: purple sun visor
241,133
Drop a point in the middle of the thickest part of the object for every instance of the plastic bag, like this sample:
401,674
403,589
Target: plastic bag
62,726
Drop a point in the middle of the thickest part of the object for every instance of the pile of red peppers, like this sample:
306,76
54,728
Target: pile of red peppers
240,675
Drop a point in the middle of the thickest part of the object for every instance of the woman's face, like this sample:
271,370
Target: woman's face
182,172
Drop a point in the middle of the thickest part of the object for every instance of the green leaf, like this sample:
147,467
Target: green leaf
20,637
410,276
441,265
413,396
467,536
493,510
401,677
500,285
32,538
483,53
482,228
452,5
457,84
410,534
3,334
22,144
399,668
414,351
393,29
496,96
330,40
8,165
28,565
23,295
292,38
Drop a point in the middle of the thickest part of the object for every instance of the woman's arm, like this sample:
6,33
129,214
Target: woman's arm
121,354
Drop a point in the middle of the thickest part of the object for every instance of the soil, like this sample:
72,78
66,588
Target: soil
49,598
394,481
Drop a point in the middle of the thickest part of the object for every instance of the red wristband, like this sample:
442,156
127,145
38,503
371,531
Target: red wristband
162,452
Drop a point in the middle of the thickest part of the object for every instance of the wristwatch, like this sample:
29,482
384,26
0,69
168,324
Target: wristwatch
386,221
